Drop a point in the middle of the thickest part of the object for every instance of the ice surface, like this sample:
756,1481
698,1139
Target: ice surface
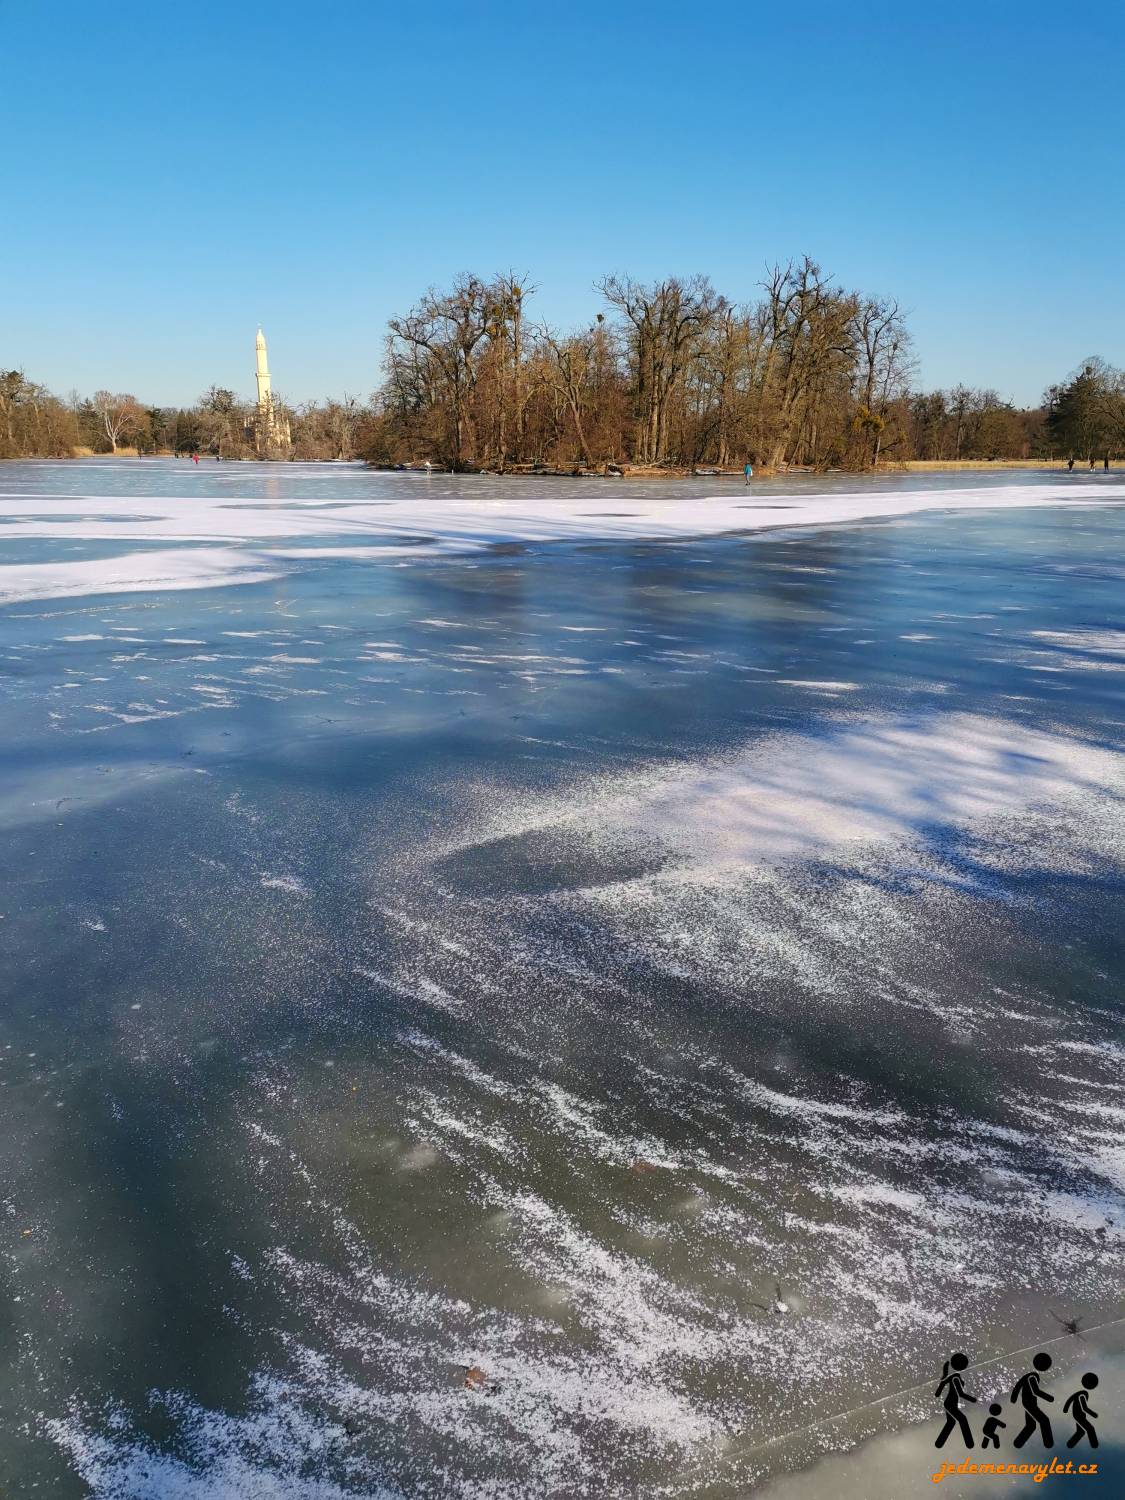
550,964
405,516
134,572
864,783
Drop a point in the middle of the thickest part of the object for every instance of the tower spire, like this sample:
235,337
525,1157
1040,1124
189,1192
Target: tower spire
265,399
271,425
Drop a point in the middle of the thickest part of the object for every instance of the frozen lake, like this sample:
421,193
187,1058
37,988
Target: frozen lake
475,951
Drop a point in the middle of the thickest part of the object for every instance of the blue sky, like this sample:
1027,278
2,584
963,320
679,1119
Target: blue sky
172,176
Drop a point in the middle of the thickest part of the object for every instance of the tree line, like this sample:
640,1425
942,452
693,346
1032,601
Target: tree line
34,423
671,374
668,374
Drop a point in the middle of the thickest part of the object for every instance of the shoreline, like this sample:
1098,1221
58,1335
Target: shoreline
705,471
607,471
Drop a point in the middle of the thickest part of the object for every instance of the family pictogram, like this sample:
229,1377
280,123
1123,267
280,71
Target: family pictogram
1027,1393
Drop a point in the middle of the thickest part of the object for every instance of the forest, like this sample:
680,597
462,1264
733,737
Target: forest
671,375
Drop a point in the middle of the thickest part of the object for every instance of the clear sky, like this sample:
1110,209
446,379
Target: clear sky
173,175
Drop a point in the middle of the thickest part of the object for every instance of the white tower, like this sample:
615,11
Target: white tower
265,399
271,429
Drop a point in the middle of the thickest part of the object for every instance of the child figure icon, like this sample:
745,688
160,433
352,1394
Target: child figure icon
990,1432
1080,1409
953,1389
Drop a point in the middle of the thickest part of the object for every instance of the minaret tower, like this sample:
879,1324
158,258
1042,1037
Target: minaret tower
271,428
265,399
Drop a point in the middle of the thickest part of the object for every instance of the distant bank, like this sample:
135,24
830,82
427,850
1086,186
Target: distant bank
633,471
936,465
667,471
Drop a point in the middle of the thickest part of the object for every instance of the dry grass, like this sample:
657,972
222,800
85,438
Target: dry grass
928,464
123,451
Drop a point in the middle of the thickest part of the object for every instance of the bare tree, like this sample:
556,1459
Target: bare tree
505,332
13,389
571,366
223,418
119,415
667,322
438,341
884,352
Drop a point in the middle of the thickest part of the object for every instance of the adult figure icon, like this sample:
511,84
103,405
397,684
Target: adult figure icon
953,1388
1080,1409
1029,1392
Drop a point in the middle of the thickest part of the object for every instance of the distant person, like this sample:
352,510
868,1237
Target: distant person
1081,1411
1028,1391
1091,463
1070,463
955,1392
195,458
990,1432
748,471
1106,464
